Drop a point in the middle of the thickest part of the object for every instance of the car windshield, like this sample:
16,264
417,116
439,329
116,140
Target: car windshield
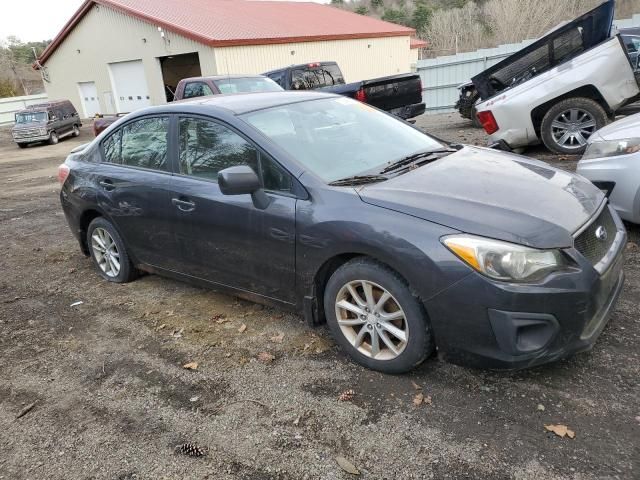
336,138
31,117
247,85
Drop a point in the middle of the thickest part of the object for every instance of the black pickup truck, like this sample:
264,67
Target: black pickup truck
400,95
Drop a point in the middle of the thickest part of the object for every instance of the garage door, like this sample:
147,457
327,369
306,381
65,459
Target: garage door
129,85
89,98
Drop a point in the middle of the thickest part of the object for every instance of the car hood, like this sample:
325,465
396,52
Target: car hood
628,127
493,194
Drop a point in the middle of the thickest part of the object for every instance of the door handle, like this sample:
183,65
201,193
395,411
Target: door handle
184,205
107,185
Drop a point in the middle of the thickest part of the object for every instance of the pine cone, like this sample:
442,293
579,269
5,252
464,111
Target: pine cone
346,396
192,450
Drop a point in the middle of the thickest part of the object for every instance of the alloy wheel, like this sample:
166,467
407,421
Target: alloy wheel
105,252
572,128
372,320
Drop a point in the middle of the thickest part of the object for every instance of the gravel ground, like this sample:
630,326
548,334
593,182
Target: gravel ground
112,399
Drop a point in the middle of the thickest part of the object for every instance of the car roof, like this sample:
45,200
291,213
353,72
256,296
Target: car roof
222,77
239,103
300,65
45,105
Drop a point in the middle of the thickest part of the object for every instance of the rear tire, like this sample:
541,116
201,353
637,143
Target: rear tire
108,252
53,138
76,131
366,328
569,123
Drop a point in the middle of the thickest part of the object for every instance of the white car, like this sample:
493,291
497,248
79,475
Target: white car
560,89
612,163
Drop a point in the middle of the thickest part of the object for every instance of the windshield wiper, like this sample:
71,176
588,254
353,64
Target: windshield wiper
358,180
413,159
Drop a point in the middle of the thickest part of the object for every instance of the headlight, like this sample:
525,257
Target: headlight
505,261
602,149
43,131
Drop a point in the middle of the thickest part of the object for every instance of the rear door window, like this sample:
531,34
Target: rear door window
197,89
141,143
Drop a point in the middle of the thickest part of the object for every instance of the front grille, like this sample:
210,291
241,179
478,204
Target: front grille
27,132
588,243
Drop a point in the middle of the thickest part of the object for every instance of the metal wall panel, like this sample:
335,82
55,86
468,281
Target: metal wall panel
11,105
359,59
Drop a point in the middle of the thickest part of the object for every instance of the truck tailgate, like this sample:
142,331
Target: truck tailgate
393,92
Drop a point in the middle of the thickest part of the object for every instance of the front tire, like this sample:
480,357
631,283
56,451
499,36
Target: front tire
53,138
108,252
374,317
567,125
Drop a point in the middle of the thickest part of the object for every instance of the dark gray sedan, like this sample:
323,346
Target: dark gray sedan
402,243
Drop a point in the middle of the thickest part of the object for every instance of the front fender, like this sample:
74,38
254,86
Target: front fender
350,227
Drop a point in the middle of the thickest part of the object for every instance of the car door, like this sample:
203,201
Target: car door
133,181
225,239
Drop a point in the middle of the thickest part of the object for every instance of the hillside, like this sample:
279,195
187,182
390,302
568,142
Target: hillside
452,26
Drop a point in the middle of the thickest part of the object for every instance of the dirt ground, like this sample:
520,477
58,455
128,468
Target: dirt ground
112,399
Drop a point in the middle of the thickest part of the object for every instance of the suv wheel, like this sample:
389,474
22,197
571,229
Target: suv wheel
568,124
375,319
76,131
22,145
108,252
53,138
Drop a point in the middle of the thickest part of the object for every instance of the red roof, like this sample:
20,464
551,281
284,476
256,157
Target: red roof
243,22
417,43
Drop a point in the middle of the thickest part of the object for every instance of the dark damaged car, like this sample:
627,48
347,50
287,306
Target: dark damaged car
320,204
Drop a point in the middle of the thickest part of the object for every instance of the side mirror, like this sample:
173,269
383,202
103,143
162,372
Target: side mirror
242,180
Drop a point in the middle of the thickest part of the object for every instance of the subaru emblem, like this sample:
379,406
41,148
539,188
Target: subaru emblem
601,233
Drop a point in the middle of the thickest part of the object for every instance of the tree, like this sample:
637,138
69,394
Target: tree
377,3
17,77
337,2
421,17
396,15
7,88
362,10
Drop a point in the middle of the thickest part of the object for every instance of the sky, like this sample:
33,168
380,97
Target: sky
34,20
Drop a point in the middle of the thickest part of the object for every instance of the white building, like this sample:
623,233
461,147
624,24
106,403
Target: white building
118,55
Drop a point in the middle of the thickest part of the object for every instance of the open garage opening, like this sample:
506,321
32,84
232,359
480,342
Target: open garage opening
175,68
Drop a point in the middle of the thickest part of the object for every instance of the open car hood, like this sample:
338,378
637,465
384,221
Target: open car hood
558,46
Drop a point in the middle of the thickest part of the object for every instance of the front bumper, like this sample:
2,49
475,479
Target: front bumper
409,111
487,324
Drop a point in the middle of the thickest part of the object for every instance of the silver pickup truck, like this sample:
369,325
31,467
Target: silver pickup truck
559,89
